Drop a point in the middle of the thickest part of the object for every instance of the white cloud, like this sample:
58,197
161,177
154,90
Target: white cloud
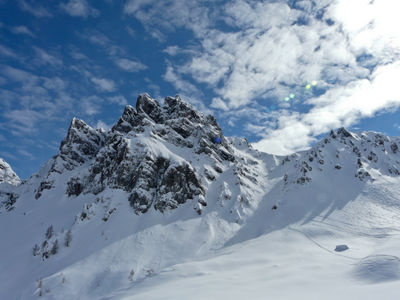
341,106
130,65
218,104
101,125
22,30
172,50
120,100
34,9
105,85
79,8
180,84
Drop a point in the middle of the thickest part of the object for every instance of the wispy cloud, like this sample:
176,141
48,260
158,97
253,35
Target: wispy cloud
22,30
79,8
182,85
186,90
130,65
35,100
115,52
7,52
185,13
103,84
26,154
90,105
75,53
44,58
120,100
22,121
36,10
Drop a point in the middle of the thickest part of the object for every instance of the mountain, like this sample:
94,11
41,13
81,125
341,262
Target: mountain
164,206
7,175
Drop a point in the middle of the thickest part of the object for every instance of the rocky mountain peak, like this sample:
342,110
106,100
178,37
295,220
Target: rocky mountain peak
148,154
151,107
342,132
81,143
7,174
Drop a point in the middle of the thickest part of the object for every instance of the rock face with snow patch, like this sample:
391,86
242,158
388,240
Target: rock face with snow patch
152,176
7,174
362,154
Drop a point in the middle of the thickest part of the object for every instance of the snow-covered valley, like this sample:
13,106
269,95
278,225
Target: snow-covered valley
164,206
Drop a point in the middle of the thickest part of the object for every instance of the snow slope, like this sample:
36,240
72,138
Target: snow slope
157,208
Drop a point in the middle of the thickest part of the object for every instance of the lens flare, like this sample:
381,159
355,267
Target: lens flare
291,96
314,83
287,98
308,86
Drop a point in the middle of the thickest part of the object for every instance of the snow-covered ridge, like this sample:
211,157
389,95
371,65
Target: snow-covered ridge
163,186
7,174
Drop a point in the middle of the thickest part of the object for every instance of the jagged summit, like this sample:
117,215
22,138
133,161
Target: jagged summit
7,174
156,154
365,155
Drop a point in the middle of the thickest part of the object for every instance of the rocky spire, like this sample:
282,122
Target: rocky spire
81,143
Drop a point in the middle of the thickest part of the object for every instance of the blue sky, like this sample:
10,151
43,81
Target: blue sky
280,73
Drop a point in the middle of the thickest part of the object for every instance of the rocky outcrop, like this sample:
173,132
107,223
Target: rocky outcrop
125,157
81,144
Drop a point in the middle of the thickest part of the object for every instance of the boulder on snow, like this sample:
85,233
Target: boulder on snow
341,248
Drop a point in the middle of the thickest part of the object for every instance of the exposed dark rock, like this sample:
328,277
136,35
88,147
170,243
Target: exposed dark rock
145,104
394,147
44,185
359,163
303,180
74,187
129,121
9,202
372,156
362,174
357,151
342,132
82,143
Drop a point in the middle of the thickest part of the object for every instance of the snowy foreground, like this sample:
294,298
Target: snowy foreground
297,260
139,212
